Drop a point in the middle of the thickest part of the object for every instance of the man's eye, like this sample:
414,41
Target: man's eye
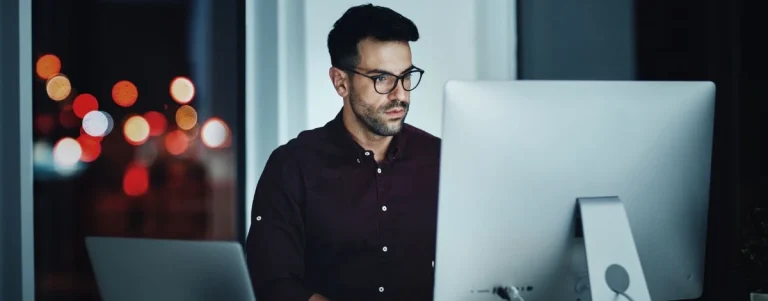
380,78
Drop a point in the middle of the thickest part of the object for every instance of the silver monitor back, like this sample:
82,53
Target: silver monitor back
516,155
129,269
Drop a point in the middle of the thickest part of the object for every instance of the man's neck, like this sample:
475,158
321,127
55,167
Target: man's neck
366,139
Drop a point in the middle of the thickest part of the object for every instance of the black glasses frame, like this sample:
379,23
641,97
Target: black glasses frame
398,78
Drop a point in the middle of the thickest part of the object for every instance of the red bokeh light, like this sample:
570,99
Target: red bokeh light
44,123
67,117
125,93
157,123
176,142
83,133
83,104
91,148
136,180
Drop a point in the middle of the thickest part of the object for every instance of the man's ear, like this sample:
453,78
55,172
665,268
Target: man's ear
340,81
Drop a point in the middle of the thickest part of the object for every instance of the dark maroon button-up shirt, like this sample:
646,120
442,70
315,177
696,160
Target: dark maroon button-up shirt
328,219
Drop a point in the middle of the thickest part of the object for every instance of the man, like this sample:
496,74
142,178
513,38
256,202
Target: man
348,211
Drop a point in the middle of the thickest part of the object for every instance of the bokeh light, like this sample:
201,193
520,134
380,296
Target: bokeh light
98,123
58,87
136,130
125,93
44,123
84,104
42,153
176,142
136,180
186,117
67,117
67,152
182,90
157,123
95,138
91,148
215,133
47,66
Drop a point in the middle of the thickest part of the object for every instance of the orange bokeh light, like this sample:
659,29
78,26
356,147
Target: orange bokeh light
182,90
136,130
91,148
176,142
58,87
157,123
83,104
125,93
47,66
136,180
186,117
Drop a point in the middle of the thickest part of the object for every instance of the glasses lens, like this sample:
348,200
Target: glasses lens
411,80
384,83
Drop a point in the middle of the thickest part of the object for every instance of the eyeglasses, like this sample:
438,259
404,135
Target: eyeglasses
385,82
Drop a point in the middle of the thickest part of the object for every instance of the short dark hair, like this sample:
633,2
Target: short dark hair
366,21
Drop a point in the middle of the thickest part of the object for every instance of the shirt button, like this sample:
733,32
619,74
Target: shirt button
378,170
384,249
383,208
433,263
258,218
358,160
367,153
381,289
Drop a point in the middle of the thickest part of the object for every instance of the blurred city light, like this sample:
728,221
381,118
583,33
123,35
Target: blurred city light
176,142
42,153
84,104
58,87
157,123
67,117
182,90
136,130
186,117
66,153
44,123
91,148
47,66
214,133
125,93
136,180
98,123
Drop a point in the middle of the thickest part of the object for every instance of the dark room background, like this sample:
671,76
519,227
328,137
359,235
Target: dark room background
715,40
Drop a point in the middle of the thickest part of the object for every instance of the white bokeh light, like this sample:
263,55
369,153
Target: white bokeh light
66,153
214,133
42,153
97,123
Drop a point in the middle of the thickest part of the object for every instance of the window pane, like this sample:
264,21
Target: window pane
137,128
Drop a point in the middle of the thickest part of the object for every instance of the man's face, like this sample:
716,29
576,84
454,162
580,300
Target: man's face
382,114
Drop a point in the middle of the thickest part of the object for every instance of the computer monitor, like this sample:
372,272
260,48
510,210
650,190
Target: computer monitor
574,190
129,269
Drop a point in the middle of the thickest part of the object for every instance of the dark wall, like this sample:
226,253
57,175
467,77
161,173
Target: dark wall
590,39
719,41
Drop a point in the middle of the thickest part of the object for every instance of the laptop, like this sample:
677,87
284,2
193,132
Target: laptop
131,269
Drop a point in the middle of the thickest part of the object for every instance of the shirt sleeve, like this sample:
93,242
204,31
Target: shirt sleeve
275,243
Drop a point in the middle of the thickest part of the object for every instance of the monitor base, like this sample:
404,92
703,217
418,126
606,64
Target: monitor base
613,263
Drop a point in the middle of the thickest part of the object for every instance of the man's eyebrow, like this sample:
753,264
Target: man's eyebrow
379,71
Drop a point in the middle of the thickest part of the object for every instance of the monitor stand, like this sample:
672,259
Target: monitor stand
615,271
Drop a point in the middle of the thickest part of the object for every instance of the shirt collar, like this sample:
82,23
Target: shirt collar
344,139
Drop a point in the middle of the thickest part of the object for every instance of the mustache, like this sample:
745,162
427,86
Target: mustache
396,104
